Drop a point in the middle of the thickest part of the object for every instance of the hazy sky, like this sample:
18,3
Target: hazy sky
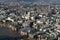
33,0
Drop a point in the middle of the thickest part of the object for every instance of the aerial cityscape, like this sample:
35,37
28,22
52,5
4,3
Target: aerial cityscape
29,19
